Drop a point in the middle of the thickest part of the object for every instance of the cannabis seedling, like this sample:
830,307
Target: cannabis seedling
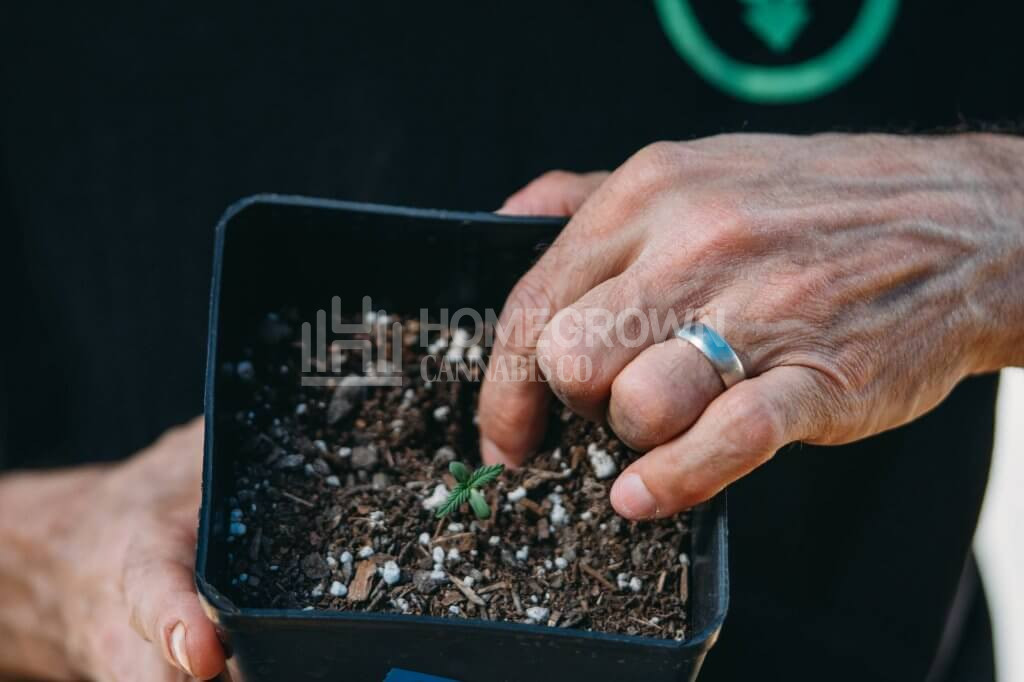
468,489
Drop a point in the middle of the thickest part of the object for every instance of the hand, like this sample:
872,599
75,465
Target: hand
114,549
859,278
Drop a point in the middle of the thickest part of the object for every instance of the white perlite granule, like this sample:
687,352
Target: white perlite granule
391,573
437,498
538,614
559,516
517,494
601,462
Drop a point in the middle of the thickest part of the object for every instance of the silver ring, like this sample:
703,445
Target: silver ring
716,349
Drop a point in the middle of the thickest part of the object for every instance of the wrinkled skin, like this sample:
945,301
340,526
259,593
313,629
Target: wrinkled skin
858,277
114,550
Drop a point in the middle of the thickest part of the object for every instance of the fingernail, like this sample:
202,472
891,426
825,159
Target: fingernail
178,650
632,499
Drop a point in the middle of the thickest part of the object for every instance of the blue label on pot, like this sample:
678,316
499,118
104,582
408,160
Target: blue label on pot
399,675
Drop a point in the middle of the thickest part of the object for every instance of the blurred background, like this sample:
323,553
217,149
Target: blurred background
998,541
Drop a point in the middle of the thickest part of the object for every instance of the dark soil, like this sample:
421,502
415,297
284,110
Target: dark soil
329,474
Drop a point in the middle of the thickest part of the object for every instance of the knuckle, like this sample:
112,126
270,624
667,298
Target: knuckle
630,395
531,292
820,403
837,396
556,176
565,382
842,371
528,306
641,419
729,229
556,192
648,172
565,358
852,368
805,295
657,156
754,427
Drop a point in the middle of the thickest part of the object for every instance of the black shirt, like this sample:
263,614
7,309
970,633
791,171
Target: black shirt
127,130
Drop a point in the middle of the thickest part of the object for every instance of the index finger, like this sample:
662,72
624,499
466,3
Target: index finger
514,399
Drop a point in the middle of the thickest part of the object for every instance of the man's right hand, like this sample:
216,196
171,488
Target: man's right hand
861,277
96,569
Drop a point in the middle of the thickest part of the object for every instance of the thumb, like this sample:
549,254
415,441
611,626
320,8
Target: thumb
740,430
165,610
556,193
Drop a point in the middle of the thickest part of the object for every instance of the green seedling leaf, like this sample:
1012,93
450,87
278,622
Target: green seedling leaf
459,471
479,504
455,500
467,489
485,475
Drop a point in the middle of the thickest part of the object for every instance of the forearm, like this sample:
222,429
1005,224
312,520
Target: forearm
994,294
36,511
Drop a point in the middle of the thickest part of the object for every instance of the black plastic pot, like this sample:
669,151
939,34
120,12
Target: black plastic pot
279,250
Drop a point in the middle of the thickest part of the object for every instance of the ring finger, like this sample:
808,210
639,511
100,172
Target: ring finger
661,393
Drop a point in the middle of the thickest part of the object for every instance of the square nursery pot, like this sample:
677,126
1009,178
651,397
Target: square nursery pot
279,250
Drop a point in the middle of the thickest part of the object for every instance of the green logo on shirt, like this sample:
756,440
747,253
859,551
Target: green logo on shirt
778,25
